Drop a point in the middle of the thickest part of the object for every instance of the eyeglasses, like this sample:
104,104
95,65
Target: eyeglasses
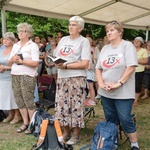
113,22
22,31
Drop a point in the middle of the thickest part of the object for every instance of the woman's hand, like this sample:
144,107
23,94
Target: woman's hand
50,65
105,86
113,86
147,66
2,68
110,86
60,66
16,59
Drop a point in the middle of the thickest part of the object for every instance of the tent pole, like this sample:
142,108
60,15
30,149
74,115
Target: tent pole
3,20
147,32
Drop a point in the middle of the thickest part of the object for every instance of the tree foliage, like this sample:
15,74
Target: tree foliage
43,26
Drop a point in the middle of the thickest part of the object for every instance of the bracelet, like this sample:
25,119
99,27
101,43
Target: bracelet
66,66
120,82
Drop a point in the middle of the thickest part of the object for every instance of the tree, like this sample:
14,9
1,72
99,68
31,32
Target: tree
43,26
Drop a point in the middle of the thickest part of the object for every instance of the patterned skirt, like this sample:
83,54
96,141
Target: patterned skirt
70,98
24,87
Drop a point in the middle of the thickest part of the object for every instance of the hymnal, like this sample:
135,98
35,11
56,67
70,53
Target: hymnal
57,60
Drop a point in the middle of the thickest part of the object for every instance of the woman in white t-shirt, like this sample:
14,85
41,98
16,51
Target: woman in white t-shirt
71,81
115,71
24,59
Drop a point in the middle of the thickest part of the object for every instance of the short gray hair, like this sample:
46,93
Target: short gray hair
79,20
139,39
9,35
25,25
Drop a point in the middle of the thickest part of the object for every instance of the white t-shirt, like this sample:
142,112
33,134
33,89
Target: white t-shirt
73,51
113,62
29,51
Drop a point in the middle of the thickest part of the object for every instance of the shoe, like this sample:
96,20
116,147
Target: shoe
16,120
90,103
134,148
28,131
73,140
22,128
8,119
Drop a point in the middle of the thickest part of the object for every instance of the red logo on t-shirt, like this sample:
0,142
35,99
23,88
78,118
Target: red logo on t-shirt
66,51
110,62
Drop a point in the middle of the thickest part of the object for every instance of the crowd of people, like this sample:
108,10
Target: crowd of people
113,69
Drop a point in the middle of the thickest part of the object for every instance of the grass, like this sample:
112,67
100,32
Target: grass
10,140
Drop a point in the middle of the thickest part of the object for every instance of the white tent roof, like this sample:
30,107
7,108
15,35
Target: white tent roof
134,14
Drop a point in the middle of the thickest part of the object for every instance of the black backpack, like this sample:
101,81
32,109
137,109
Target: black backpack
42,125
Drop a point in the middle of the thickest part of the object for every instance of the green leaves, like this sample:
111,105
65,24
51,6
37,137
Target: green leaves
43,26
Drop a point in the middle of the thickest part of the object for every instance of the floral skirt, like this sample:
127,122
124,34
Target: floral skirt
70,98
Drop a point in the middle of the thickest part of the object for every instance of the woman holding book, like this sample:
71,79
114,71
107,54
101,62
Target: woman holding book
50,66
71,82
24,73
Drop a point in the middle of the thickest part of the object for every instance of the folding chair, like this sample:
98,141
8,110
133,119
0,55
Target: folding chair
44,89
87,114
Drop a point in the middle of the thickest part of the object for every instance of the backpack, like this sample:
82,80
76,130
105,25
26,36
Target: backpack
2,115
105,136
47,131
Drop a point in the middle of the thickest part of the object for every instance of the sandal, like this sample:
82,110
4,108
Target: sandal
16,120
8,119
28,131
73,140
22,128
144,97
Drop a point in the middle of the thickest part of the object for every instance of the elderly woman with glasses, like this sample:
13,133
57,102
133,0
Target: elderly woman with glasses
24,60
115,71
71,82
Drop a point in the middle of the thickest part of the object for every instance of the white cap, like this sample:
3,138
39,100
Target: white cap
140,39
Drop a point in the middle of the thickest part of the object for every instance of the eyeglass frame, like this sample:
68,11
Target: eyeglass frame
22,31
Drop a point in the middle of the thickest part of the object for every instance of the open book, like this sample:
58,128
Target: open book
57,60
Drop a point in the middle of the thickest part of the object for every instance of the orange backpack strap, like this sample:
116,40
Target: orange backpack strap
43,132
58,131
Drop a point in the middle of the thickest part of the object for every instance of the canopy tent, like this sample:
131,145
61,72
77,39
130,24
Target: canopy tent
133,14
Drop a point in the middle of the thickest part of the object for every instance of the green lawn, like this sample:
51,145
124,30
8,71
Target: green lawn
10,140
